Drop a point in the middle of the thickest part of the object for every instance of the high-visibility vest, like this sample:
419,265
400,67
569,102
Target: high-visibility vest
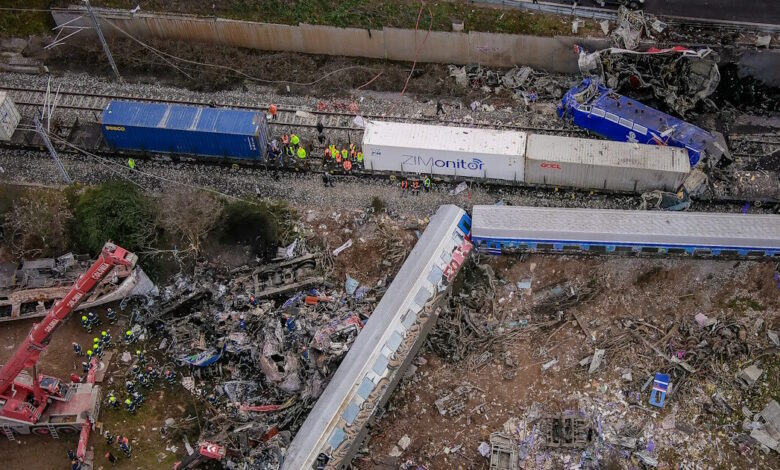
333,151
404,184
294,139
301,153
344,154
347,165
427,182
360,157
131,163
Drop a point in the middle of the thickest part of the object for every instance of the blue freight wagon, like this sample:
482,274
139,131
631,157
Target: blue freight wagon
171,128
598,109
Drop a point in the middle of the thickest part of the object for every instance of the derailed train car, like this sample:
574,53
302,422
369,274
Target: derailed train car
594,107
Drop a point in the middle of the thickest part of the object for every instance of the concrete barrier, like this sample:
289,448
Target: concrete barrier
553,54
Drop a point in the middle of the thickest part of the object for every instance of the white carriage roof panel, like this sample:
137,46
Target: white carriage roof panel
558,224
445,138
607,153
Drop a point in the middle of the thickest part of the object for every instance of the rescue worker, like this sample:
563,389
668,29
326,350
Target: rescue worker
125,447
416,187
427,184
75,465
333,151
439,108
211,398
130,386
275,152
140,356
131,164
289,322
89,355
85,323
170,376
301,153
305,353
344,154
141,379
129,337
77,349
109,437
137,398
326,155
95,342
111,316
71,455
130,406
85,367
98,350
136,369
152,373
287,148
252,300
338,158
272,110
295,141
360,159
93,319
112,401
352,152
105,338
404,186
241,323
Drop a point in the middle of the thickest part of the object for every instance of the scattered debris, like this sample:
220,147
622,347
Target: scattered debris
749,376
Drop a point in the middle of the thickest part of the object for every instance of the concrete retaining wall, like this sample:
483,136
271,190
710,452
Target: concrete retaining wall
554,54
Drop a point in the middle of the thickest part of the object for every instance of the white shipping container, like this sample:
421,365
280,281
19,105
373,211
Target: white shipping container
604,164
9,116
443,150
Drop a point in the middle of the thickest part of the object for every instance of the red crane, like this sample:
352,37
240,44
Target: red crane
23,402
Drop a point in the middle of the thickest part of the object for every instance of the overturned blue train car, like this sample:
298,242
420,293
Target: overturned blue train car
594,107
191,130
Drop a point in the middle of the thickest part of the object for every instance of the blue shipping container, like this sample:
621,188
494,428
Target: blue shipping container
598,109
170,128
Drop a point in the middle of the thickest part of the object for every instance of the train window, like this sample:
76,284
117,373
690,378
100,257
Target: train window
640,129
598,112
598,248
612,117
755,253
409,318
545,246
394,341
365,388
649,249
571,247
626,123
729,253
624,249
336,438
350,413
380,366
422,296
457,237
676,251
434,277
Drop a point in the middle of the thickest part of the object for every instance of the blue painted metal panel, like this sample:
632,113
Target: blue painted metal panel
166,128
619,118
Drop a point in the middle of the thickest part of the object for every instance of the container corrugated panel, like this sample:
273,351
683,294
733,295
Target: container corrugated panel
604,164
154,127
9,116
443,150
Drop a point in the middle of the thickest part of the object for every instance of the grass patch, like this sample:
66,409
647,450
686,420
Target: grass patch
371,14
21,24
743,304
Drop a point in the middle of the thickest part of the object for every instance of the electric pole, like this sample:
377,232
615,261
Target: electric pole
52,151
103,40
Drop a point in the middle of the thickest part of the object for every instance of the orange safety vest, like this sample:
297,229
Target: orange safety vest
285,139
347,165
327,152
338,158
415,184
404,184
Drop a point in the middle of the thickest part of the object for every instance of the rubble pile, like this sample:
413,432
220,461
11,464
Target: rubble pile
524,82
260,344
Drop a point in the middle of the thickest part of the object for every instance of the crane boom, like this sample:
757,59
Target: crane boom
27,354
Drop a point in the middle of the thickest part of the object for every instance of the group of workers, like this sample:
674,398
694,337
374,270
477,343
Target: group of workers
413,185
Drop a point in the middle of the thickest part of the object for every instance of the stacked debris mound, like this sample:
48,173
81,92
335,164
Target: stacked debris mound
524,82
261,344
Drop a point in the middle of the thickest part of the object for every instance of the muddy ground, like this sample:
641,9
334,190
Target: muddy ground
657,292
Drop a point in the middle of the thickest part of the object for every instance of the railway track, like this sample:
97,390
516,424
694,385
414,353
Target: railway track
27,97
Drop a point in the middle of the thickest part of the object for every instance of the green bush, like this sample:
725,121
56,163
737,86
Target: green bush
113,211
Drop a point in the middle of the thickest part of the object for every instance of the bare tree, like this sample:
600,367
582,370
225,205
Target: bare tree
37,224
189,214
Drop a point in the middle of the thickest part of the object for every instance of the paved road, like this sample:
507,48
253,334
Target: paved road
755,11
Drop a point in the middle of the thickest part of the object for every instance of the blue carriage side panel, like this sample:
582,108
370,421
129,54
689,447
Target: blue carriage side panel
594,107
168,128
